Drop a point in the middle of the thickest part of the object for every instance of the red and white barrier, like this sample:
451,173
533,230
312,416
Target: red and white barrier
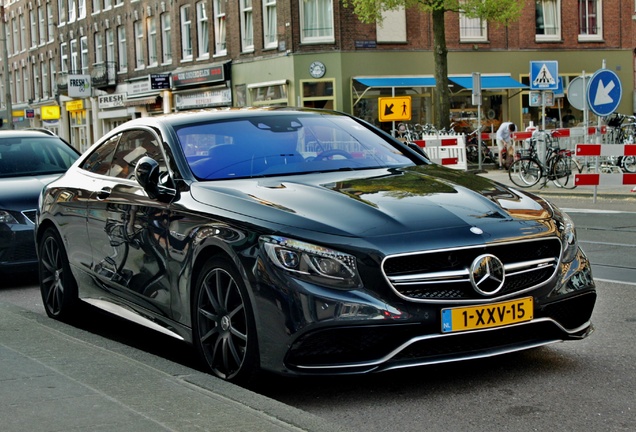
449,151
596,179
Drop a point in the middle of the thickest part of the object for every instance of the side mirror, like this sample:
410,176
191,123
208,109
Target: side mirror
147,175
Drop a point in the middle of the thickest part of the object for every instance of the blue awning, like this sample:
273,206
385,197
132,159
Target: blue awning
397,81
488,82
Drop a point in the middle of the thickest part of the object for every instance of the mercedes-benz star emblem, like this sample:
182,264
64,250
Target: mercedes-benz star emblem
487,274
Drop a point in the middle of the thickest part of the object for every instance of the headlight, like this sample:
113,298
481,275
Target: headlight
312,263
6,217
568,236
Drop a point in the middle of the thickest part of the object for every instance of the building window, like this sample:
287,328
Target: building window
72,9
16,39
25,83
99,48
74,59
166,42
97,6
81,9
270,33
108,4
46,85
53,77
318,93
548,20
110,45
247,26
472,29
203,32
34,29
122,49
42,25
63,57
139,44
152,41
23,33
61,11
18,86
36,82
186,33
220,46
590,20
316,21
50,21
84,54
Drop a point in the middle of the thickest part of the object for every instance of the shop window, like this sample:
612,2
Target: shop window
318,93
268,94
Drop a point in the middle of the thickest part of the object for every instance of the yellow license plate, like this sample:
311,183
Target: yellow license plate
486,316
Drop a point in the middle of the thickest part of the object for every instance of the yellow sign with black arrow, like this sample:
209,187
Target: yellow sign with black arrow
394,108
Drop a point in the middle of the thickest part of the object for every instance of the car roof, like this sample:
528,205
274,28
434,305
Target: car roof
186,117
26,133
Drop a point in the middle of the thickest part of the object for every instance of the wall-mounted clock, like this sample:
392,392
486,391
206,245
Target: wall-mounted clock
317,69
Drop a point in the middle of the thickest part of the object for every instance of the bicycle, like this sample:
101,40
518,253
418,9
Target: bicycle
620,132
472,154
559,165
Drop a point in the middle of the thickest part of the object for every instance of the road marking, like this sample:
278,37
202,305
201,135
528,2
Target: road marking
597,211
607,243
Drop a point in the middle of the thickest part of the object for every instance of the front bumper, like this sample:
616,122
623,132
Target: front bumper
343,332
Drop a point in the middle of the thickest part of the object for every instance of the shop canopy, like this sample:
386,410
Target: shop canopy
397,81
488,81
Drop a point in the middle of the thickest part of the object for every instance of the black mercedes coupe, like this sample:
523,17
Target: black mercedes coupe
304,241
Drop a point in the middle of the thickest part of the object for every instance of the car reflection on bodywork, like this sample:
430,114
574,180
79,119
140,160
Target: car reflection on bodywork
306,241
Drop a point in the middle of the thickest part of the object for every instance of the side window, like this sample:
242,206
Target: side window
100,160
134,145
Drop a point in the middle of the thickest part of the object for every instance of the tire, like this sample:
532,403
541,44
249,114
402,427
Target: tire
574,167
525,172
57,284
629,164
561,171
223,326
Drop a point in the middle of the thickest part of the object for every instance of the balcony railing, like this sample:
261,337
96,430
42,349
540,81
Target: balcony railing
104,74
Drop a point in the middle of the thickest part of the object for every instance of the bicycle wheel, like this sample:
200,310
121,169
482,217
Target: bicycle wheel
559,171
565,168
629,164
525,172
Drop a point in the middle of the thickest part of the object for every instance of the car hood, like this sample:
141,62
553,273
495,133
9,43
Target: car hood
22,193
375,202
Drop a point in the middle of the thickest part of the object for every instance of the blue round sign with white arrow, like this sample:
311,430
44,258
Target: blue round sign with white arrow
604,92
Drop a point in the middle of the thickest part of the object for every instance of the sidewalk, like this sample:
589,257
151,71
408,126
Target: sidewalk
602,191
53,379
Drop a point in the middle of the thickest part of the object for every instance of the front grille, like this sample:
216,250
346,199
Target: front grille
444,275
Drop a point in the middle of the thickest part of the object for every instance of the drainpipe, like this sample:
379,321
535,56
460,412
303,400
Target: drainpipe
5,60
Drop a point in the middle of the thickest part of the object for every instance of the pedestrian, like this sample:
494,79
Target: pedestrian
504,140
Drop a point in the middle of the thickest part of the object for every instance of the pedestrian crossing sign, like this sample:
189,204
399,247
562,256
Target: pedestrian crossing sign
544,75
394,108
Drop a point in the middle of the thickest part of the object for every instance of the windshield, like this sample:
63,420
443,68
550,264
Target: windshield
284,144
30,156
